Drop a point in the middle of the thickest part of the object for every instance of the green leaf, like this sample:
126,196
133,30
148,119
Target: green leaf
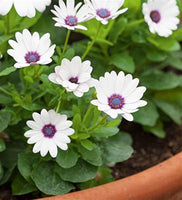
166,44
4,38
155,55
20,186
157,130
2,145
116,149
170,109
7,71
123,62
4,120
26,161
81,172
67,159
117,29
69,54
147,115
133,6
48,181
160,81
5,99
105,132
87,144
93,157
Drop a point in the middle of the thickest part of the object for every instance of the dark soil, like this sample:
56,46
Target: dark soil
148,149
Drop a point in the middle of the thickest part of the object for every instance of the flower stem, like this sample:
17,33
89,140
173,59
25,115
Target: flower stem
59,101
66,42
92,42
6,92
98,124
134,23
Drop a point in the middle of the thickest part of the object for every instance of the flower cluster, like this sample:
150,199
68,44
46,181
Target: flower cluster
117,94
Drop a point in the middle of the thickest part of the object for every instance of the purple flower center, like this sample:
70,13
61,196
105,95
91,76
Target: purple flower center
32,57
71,20
103,13
49,130
73,79
155,16
116,101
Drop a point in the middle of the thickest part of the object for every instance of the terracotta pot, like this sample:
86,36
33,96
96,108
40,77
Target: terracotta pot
161,182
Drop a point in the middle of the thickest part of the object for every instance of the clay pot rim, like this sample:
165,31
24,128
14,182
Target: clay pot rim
162,181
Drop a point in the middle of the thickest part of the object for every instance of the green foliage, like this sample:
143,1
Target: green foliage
67,159
126,44
115,149
81,172
47,179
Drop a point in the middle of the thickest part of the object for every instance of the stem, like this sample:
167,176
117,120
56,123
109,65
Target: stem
87,113
97,125
6,92
92,42
66,42
135,22
59,101
58,106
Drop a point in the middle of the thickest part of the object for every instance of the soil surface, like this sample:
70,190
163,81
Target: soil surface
149,151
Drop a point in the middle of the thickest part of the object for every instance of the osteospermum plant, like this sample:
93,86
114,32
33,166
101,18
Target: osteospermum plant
67,87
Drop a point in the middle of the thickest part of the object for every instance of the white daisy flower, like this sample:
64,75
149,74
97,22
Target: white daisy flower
69,15
24,8
74,75
31,49
49,130
103,10
119,95
161,16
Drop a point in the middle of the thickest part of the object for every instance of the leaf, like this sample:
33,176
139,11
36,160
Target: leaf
7,71
157,130
105,132
87,144
48,181
170,109
116,149
166,44
117,30
133,6
4,38
26,161
93,157
81,172
2,145
123,62
20,186
156,55
4,120
147,115
67,159
160,81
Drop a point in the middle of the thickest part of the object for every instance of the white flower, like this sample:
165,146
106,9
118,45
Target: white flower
49,130
31,49
74,75
103,10
23,7
69,15
119,94
161,16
